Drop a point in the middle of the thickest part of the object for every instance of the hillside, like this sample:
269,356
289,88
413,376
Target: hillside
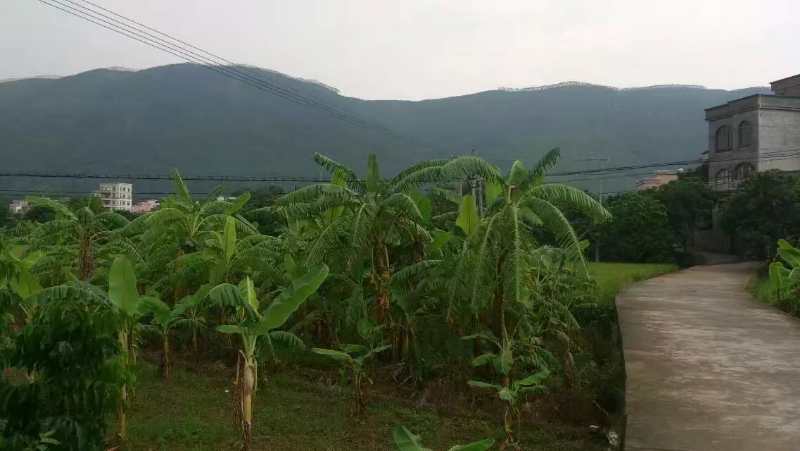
149,121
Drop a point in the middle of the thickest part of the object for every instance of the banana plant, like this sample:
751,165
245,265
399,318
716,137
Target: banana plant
509,390
82,229
17,276
231,253
369,215
784,275
406,440
519,204
354,357
124,296
187,224
166,318
255,325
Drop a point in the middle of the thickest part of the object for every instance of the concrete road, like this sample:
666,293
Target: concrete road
709,368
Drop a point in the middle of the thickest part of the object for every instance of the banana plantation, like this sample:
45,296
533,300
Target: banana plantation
452,276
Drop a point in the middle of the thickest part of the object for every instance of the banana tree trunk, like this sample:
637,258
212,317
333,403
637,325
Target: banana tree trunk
248,392
195,347
122,418
85,259
358,392
165,358
499,326
382,279
508,426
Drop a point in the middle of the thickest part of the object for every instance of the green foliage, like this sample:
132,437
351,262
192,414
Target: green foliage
402,264
765,209
640,231
689,202
468,218
71,353
784,277
406,440
355,358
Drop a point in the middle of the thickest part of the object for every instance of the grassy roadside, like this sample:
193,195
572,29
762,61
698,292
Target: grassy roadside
759,287
613,277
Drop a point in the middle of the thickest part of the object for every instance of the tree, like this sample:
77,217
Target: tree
174,234
520,204
253,324
17,275
359,220
126,301
80,230
765,209
689,202
639,232
71,346
259,211
166,318
355,357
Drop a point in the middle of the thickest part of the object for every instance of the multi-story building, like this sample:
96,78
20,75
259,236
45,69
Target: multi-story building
116,196
754,134
18,206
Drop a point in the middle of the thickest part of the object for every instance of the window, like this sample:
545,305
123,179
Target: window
723,138
723,178
745,134
743,171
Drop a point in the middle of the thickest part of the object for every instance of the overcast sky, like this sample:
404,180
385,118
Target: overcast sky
413,49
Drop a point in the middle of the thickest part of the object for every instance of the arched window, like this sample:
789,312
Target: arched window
723,138
723,178
745,134
743,171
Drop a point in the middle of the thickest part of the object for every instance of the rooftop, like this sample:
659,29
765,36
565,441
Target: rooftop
786,97
749,103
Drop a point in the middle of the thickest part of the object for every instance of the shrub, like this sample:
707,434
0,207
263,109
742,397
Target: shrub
640,231
70,355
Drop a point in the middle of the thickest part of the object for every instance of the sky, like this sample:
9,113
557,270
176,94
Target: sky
417,49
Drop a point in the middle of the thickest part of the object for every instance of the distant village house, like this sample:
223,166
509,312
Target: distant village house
18,207
145,206
660,178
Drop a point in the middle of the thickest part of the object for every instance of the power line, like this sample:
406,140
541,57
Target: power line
182,50
610,171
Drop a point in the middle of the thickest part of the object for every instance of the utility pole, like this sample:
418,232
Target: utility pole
602,164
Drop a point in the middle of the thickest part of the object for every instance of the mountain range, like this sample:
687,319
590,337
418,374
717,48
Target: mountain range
115,121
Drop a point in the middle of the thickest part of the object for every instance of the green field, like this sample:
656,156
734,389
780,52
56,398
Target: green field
306,409
613,277
303,409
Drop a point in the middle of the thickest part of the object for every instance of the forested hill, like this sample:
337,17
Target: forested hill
183,116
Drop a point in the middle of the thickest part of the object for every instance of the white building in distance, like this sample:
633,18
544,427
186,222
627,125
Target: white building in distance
116,196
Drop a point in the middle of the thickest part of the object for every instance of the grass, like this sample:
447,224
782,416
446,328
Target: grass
306,409
760,288
613,277
300,409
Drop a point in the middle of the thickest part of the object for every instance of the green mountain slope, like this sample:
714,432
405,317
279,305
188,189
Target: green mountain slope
184,116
